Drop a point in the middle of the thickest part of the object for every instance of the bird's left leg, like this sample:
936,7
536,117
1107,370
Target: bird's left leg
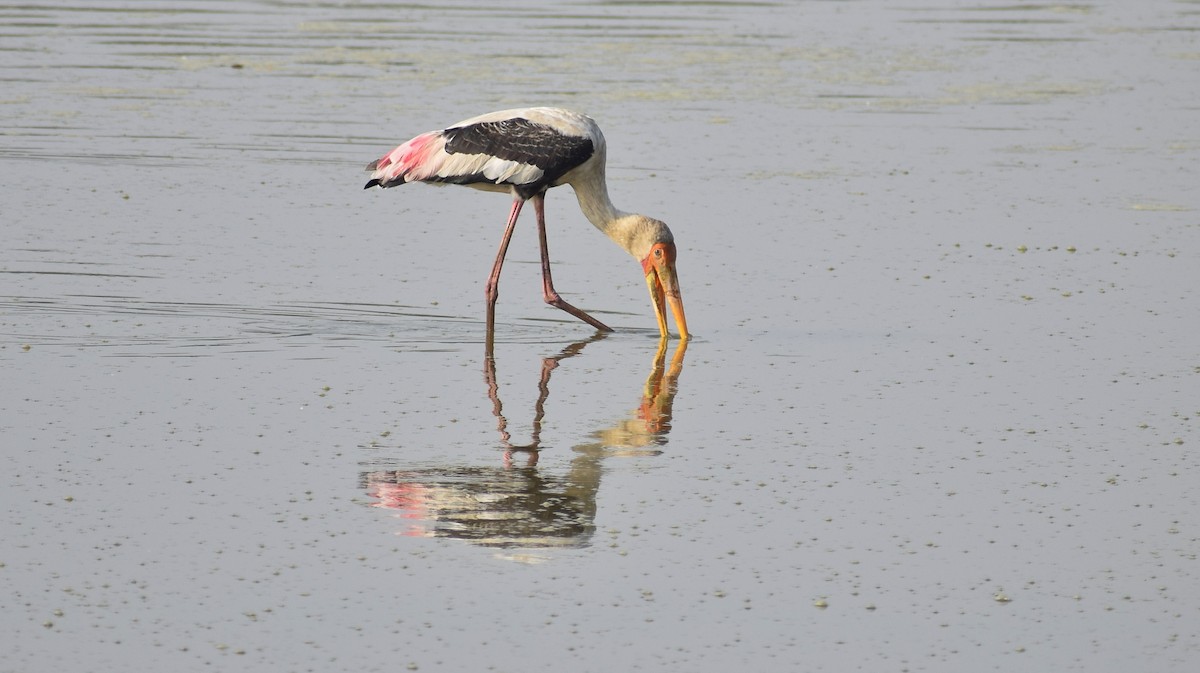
491,290
548,292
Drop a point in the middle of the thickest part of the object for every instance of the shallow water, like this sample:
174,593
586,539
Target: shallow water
941,259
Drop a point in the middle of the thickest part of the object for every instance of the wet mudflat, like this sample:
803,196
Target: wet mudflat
940,413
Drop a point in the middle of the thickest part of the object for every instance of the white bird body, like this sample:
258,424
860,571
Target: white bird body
525,152
425,158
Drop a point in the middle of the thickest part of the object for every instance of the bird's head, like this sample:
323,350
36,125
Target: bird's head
652,243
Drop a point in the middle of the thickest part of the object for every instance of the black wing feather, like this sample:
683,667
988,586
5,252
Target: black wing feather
524,141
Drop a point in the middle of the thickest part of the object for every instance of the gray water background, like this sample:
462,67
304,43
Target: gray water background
940,414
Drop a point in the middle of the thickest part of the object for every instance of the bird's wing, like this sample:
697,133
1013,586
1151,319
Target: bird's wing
522,141
511,151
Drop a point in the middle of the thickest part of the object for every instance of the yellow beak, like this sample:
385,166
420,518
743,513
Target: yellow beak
663,283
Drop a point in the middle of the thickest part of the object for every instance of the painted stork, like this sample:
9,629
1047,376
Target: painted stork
525,152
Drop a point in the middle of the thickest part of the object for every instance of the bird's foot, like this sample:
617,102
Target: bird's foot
553,299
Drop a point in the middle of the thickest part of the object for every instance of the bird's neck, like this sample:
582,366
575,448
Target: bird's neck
591,188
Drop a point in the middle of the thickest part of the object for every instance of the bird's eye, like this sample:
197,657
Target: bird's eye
658,252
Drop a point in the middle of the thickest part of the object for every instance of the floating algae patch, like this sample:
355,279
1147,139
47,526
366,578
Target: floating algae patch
1161,207
1017,93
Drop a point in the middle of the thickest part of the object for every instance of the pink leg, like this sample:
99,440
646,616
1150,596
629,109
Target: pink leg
548,292
492,290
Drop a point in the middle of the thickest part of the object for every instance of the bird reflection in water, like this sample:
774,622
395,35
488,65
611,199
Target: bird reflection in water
518,503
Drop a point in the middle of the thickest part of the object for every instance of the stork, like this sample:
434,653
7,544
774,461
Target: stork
525,152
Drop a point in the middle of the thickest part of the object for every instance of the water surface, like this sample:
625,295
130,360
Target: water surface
940,412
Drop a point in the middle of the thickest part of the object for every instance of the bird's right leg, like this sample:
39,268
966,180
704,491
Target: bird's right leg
549,294
492,290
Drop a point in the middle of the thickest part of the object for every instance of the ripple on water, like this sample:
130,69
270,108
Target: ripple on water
136,327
